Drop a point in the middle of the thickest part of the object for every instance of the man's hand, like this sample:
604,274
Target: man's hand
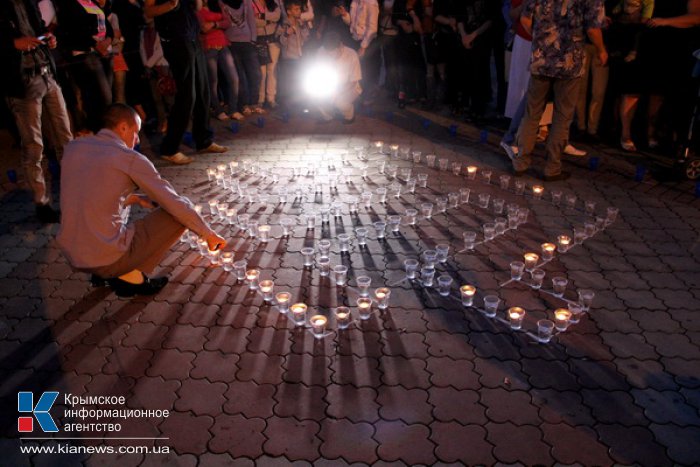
141,200
27,43
51,40
361,52
102,47
452,22
214,241
656,22
468,40
603,57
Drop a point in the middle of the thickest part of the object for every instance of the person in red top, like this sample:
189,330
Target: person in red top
219,58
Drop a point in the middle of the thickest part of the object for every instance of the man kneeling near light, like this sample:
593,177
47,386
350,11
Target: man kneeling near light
334,79
99,178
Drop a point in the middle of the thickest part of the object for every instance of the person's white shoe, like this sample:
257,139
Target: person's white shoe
222,116
178,158
237,116
569,150
213,148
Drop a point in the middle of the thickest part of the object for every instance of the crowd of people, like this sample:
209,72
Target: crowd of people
179,61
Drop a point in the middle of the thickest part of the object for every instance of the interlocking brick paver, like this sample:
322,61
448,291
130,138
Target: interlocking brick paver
171,364
673,345
296,440
237,435
509,406
459,374
188,433
525,440
407,443
664,407
215,366
457,405
645,374
575,445
408,372
463,445
680,442
260,368
201,397
408,405
629,445
352,442
300,401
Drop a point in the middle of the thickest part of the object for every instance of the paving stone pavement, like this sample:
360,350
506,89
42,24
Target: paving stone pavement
426,381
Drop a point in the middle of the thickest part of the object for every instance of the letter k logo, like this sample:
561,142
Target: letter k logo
25,404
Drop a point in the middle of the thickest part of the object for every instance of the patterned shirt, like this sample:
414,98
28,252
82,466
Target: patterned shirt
558,34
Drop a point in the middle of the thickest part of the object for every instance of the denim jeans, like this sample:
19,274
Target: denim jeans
221,60
43,97
189,69
565,95
248,66
93,77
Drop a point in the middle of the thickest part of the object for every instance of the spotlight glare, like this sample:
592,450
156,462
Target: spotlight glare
321,81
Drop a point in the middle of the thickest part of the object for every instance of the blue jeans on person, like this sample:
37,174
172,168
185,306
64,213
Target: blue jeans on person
221,60
509,136
245,55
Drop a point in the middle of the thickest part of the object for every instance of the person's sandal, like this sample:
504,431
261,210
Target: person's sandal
628,145
149,286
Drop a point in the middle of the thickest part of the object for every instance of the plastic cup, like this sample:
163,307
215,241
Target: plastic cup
516,270
427,275
363,283
491,305
343,317
340,274
545,328
364,307
411,266
559,286
467,293
444,284
516,316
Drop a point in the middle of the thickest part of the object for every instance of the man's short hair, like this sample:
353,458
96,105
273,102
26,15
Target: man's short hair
331,41
118,113
290,3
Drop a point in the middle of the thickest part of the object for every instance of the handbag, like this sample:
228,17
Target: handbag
263,50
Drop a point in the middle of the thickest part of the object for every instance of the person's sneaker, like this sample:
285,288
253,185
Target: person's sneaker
570,150
557,177
511,151
178,158
628,145
47,214
149,286
222,117
97,281
237,116
214,148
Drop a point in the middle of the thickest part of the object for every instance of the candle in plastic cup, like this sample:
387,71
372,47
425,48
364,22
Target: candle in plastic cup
531,260
264,232
422,180
471,172
441,204
444,284
344,242
342,317
469,239
411,185
363,283
243,220
287,226
537,191
491,305
564,243
410,265
430,160
548,251
318,325
537,276
467,292
352,204
427,210
489,231
516,270
498,205
456,168
240,268
381,194
561,319
442,250
501,224
253,229
310,221
324,266
367,199
214,256
308,254
464,195
380,229
361,234
453,199
504,181
251,276
486,176
516,316
231,215
340,274
427,275
213,207
282,299
576,312
570,201
444,164
324,247
519,187
381,296
559,286
545,328
395,223
227,261
429,258
556,197
589,207
585,298
364,306
589,229
299,313
416,155
266,288
579,235
611,214
411,215
325,214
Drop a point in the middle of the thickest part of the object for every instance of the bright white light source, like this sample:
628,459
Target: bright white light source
321,81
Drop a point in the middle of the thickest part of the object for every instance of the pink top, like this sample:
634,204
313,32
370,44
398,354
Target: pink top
215,38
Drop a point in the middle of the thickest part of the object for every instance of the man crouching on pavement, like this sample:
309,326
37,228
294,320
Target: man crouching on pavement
100,176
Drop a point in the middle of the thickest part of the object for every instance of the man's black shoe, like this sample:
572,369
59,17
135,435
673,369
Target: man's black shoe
557,177
147,287
47,214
